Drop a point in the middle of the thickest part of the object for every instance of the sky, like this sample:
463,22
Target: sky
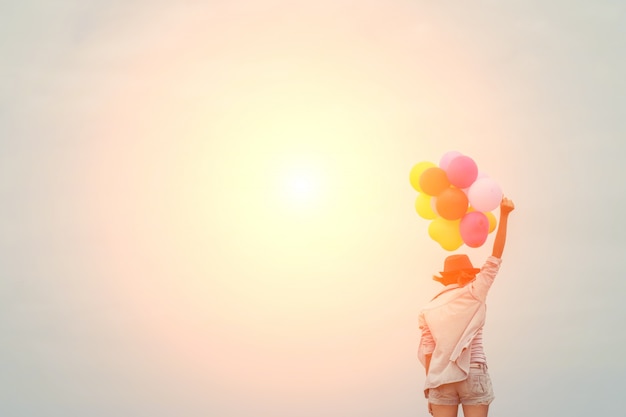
206,208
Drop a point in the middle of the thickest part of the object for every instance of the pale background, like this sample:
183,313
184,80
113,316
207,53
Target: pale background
205,207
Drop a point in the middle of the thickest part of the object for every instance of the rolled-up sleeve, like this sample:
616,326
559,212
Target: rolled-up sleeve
484,279
427,342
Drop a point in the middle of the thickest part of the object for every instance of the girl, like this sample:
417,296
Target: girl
451,348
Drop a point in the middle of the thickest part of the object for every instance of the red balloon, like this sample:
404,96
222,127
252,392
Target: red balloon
474,228
452,203
462,171
433,181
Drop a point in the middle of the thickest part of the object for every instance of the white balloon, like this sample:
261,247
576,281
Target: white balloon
484,194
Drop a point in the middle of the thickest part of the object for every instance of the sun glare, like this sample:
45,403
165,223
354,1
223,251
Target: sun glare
301,187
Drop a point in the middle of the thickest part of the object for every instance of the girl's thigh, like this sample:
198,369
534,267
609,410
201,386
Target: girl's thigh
444,410
475,410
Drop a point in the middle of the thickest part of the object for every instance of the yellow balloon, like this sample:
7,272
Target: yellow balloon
446,233
492,221
416,173
424,207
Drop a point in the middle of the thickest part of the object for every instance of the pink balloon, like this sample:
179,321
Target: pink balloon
462,171
479,176
484,195
446,158
433,205
474,228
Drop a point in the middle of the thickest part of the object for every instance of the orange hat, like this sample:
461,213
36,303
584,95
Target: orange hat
456,263
452,266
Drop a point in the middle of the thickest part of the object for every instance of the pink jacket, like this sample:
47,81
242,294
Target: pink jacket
449,322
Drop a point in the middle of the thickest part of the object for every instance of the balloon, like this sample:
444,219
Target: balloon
452,203
446,158
479,176
433,181
446,233
457,199
474,228
484,194
462,171
492,221
433,205
416,173
490,216
424,207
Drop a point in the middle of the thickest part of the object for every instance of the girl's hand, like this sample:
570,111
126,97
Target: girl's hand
506,206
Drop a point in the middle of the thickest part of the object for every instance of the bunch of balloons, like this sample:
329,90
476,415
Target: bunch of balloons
457,199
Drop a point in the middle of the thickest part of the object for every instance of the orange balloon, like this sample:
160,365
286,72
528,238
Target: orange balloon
434,181
416,173
452,203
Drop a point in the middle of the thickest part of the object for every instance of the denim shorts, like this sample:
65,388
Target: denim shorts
475,390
